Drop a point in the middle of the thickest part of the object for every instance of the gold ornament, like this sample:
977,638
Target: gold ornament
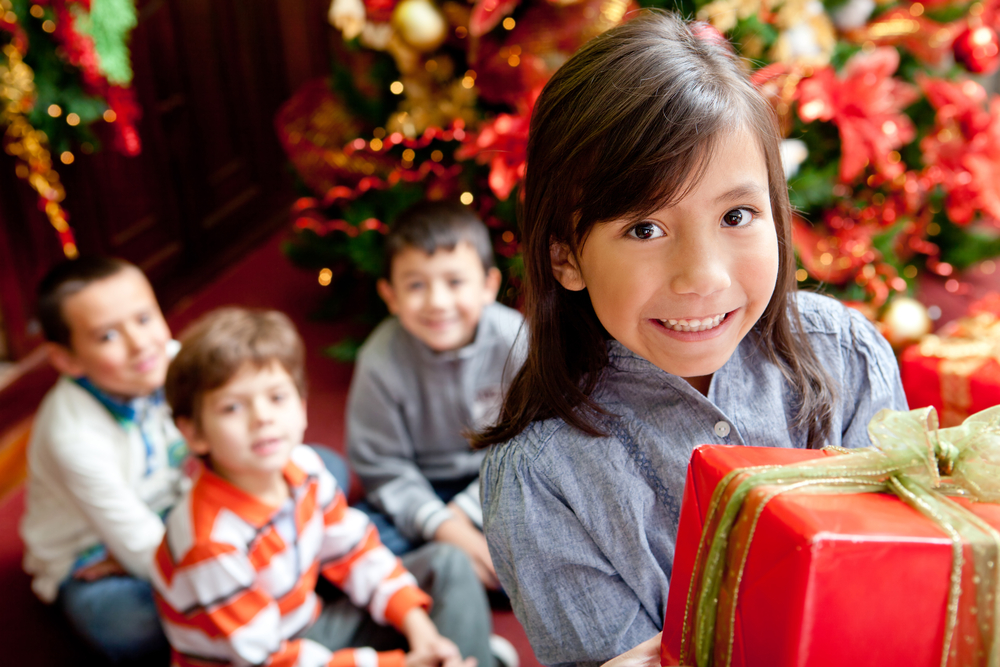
905,321
420,24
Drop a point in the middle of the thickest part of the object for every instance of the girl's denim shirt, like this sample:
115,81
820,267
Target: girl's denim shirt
581,529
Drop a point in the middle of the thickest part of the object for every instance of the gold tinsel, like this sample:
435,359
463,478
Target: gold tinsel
29,145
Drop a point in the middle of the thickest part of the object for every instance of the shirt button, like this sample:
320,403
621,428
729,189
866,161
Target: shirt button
722,429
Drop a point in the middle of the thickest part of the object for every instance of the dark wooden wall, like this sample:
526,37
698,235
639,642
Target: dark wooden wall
211,180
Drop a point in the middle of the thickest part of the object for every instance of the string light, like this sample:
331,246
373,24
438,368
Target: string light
396,87
466,198
325,276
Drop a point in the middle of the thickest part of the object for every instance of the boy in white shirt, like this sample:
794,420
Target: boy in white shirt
104,457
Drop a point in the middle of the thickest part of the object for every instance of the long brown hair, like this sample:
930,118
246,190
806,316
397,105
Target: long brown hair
623,129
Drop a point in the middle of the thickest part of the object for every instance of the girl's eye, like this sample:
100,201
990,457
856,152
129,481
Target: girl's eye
413,287
229,408
739,217
108,336
645,231
278,397
455,282
144,318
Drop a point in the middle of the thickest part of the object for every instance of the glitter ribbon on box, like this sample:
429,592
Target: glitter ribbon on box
814,563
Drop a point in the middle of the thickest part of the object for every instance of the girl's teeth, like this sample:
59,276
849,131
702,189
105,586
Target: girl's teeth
694,324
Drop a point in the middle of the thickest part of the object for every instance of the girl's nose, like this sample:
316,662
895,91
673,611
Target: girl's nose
700,268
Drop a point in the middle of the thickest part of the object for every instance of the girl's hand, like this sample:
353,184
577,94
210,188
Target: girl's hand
646,654
427,647
461,532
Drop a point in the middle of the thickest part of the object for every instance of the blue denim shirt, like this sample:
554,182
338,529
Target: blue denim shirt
581,529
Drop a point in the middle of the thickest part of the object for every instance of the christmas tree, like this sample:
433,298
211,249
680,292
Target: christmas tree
892,149
64,65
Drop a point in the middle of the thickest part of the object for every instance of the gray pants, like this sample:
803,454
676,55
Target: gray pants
460,609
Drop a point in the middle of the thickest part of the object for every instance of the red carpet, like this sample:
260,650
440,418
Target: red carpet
29,632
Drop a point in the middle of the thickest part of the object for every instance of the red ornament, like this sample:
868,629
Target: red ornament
978,49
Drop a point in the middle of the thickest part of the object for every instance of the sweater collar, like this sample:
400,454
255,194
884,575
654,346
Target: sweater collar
125,412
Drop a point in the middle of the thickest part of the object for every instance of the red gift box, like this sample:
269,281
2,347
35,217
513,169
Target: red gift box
957,371
851,579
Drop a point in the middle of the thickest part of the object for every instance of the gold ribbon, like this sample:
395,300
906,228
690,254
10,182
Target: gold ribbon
974,341
911,458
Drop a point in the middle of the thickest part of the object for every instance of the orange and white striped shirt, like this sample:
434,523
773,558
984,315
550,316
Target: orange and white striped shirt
235,578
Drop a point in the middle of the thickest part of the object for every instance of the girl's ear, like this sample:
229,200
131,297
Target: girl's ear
565,267
388,294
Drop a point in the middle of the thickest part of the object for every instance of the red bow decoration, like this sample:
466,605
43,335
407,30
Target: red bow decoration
503,142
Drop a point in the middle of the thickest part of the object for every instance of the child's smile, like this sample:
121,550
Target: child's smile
683,286
694,324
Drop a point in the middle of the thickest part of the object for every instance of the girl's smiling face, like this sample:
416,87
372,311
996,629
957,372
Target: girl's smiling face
683,286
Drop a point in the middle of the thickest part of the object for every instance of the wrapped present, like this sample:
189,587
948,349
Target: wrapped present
878,556
958,370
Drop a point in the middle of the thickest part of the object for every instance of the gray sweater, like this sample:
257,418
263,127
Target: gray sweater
408,407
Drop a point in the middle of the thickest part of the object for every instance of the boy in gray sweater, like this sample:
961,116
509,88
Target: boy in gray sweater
435,370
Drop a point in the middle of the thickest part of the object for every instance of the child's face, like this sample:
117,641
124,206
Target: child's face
684,286
249,426
439,298
118,337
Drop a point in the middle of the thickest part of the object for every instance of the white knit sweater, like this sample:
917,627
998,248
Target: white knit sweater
93,479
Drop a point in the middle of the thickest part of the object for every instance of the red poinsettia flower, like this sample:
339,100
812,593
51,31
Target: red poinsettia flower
503,143
866,104
963,151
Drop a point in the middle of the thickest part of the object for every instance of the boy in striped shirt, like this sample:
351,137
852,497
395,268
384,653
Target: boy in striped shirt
236,574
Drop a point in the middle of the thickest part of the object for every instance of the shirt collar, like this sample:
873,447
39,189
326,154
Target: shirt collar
217,492
125,411
617,353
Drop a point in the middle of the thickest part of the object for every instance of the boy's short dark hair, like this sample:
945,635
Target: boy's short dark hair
63,281
433,225
215,347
